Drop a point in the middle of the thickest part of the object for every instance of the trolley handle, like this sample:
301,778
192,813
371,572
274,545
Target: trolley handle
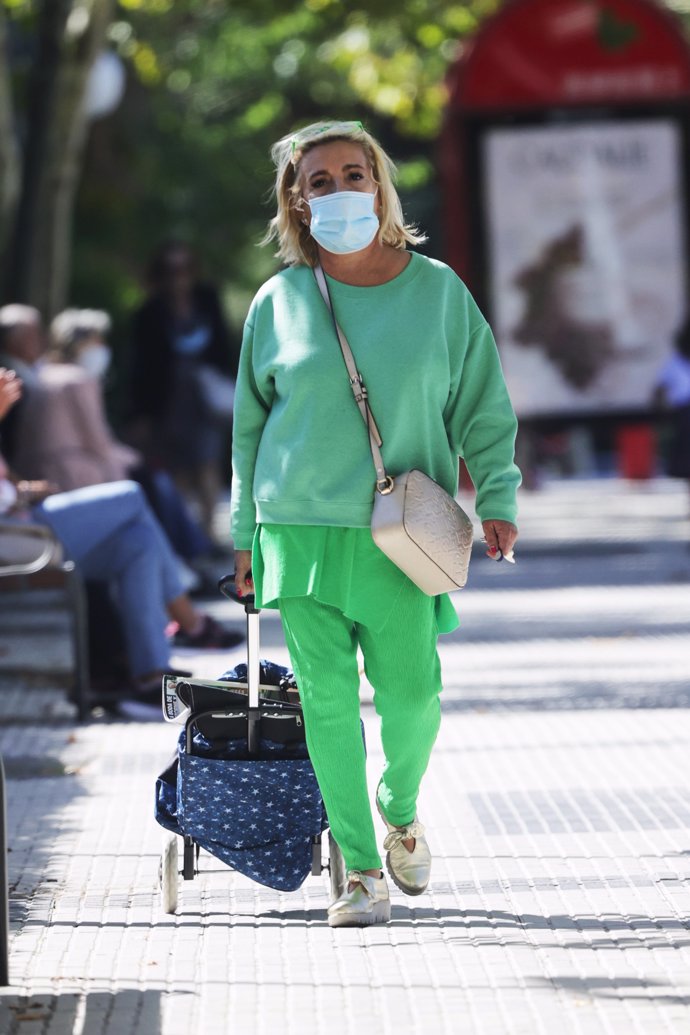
226,585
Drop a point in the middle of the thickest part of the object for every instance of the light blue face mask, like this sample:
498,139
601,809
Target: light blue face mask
344,222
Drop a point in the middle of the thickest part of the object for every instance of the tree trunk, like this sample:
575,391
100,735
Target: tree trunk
51,25
57,134
9,151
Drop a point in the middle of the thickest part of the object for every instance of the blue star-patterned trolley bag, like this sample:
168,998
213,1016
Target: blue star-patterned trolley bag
240,784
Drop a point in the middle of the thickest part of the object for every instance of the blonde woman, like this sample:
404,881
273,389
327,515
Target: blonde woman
303,480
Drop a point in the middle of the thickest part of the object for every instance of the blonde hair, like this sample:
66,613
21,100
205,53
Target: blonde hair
296,246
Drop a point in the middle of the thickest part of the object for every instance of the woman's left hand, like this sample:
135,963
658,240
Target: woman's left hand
499,535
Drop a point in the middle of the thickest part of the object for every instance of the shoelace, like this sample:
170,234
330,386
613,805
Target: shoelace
395,837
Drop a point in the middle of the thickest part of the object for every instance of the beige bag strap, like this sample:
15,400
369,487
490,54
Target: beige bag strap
383,482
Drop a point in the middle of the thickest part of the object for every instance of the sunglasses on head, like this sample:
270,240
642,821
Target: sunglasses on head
329,127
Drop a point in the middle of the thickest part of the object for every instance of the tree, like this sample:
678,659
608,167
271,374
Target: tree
213,85
68,34
9,151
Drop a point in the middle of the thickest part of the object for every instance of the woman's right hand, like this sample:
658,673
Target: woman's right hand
243,567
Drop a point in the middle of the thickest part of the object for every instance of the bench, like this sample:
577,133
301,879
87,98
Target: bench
32,558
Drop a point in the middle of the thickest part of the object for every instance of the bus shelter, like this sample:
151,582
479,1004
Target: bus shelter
564,159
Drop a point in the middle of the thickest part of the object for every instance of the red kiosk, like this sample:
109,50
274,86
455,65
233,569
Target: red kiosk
564,161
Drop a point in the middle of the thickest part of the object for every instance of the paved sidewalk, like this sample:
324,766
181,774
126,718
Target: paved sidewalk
557,805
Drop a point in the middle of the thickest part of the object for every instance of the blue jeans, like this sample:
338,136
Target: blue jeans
111,534
185,535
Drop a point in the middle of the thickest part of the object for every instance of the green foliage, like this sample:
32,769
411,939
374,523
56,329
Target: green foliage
213,85
18,7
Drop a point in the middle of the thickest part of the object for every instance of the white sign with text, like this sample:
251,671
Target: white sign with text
586,261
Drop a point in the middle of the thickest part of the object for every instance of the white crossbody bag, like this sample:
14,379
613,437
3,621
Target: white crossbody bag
415,522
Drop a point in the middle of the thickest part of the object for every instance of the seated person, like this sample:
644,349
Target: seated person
111,534
63,434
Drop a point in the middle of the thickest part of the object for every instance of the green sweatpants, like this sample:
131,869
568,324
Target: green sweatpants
402,664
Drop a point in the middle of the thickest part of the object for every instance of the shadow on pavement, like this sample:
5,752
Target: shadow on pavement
36,809
643,989
575,696
480,927
130,1011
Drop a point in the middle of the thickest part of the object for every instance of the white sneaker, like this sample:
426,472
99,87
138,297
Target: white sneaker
410,871
367,903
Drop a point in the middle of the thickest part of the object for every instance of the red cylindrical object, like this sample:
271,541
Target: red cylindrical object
636,451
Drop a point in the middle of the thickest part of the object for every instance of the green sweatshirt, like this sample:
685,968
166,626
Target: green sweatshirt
300,447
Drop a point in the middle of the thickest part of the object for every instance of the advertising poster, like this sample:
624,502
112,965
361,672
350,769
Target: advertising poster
586,261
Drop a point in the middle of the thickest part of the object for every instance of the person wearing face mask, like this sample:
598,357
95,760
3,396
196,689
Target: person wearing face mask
81,336
64,434
59,431
303,480
112,535
80,445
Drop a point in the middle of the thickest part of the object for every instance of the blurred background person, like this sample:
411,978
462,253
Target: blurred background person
22,344
80,353
66,435
111,534
63,435
672,394
10,390
181,385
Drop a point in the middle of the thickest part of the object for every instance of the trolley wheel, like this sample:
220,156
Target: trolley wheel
168,874
189,858
336,866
